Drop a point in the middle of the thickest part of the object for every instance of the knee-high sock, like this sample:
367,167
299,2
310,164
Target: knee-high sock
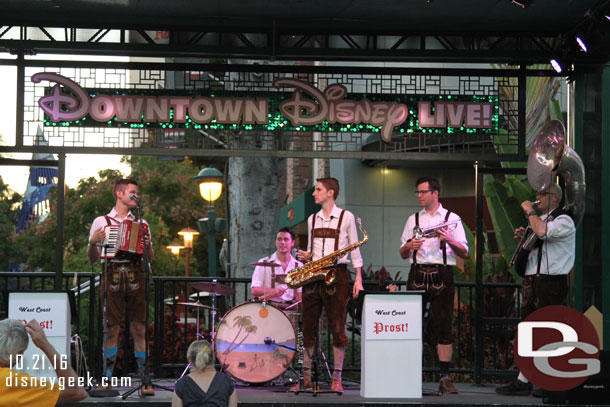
140,360
307,363
338,355
111,354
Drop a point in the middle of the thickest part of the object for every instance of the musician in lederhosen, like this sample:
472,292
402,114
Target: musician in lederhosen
330,229
547,270
432,260
268,281
126,280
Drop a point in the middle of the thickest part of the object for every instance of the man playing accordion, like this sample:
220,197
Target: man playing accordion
125,278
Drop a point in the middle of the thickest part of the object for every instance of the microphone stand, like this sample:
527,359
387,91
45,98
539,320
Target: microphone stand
145,379
99,392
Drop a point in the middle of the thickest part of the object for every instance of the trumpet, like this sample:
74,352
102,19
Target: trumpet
431,231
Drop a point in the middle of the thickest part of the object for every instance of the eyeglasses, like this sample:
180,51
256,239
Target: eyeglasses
423,191
545,193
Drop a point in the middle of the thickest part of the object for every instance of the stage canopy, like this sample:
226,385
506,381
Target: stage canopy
517,31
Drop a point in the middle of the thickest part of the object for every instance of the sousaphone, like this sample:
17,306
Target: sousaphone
549,157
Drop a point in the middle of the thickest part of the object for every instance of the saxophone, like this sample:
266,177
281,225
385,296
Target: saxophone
322,269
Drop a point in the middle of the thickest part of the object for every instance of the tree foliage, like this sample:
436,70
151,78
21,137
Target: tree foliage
9,213
170,202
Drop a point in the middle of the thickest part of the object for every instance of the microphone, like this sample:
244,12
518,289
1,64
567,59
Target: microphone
294,252
269,341
134,197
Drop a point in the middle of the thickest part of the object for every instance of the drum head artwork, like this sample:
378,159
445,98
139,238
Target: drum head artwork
240,342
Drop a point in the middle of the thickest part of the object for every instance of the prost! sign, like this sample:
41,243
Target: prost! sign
307,109
391,320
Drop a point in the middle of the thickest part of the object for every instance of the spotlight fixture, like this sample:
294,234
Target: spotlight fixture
556,65
522,3
581,43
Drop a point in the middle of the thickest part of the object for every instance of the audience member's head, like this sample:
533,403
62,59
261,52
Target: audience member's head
200,354
13,339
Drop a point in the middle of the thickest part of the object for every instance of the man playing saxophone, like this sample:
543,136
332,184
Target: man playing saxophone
548,264
329,230
432,257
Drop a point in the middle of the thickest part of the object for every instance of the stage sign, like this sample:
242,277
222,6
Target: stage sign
306,108
388,319
52,311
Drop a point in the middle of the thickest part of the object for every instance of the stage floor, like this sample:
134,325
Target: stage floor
278,396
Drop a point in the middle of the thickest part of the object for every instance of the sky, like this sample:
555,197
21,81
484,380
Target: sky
78,166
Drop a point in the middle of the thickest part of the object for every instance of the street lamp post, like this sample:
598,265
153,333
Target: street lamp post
188,234
210,188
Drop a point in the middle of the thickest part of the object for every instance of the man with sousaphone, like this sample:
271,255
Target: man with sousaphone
545,254
549,263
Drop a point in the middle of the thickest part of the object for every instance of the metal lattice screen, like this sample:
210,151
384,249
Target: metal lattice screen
278,137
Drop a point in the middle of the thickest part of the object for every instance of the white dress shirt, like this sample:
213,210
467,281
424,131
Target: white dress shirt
557,250
348,234
262,277
430,252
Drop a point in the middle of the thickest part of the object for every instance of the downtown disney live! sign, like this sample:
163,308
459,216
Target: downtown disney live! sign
307,108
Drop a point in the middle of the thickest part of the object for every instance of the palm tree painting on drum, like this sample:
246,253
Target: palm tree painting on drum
255,342
244,323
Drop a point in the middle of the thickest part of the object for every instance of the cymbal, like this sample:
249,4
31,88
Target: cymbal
194,304
265,264
213,288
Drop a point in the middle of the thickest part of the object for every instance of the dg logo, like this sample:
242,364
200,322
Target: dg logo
557,348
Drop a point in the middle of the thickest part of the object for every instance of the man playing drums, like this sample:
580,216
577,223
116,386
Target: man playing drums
268,280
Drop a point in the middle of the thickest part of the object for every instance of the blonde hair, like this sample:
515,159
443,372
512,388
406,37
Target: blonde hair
200,354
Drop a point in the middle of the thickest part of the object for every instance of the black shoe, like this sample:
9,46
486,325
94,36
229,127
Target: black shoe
537,392
516,388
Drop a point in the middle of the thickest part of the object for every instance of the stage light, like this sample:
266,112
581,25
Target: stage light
522,3
581,43
556,65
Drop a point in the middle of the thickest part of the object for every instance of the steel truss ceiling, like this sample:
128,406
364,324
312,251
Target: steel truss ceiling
277,45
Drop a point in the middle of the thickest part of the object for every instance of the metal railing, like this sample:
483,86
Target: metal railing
173,326
83,300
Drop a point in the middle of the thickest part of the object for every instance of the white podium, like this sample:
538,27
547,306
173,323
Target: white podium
52,311
391,345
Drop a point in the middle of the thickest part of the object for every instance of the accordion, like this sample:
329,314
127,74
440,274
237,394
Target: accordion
125,240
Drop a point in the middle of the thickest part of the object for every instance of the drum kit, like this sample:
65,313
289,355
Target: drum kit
255,341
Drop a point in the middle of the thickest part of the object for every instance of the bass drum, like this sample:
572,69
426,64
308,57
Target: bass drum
240,342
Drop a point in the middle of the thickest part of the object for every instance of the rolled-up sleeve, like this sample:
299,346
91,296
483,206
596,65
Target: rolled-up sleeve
560,227
352,237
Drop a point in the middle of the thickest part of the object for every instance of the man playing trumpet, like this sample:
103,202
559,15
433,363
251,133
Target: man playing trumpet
432,258
548,264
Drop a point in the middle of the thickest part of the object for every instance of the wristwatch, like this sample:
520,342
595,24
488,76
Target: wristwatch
531,213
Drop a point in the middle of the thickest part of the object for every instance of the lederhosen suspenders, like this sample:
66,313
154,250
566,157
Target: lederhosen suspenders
443,243
326,232
553,215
